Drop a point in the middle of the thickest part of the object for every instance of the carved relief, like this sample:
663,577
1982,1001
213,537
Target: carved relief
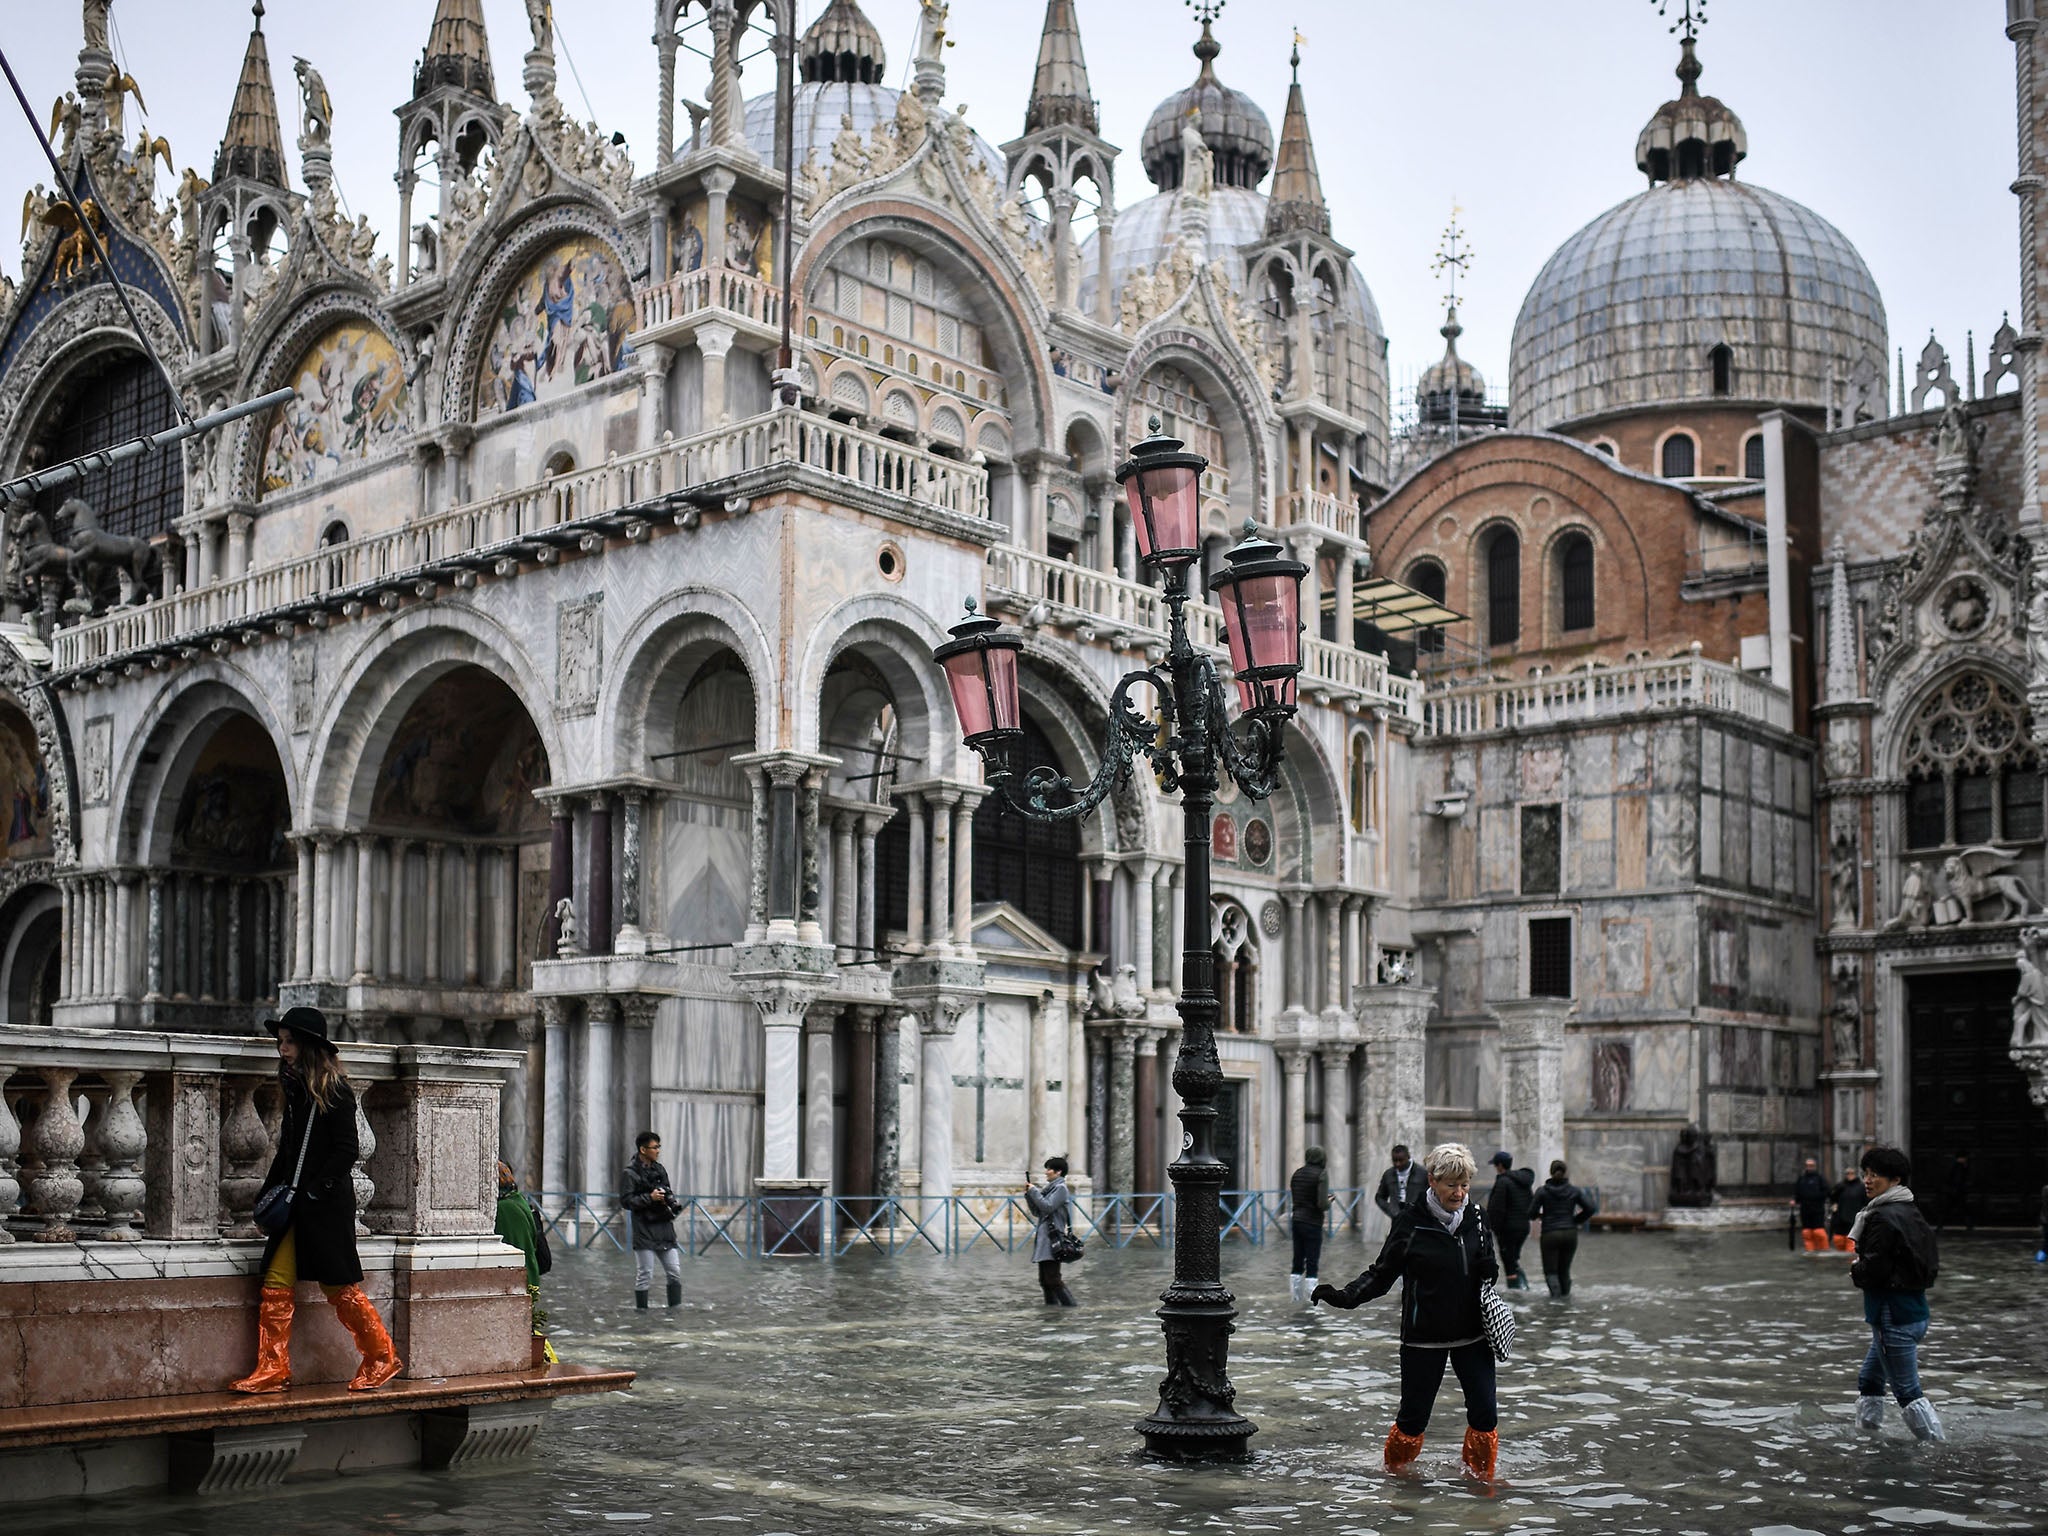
579,653
96,760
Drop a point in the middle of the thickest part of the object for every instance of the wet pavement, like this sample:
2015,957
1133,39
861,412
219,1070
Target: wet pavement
1690,1384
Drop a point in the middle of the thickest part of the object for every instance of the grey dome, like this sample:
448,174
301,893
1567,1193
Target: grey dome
1629,309
1237,132
819,105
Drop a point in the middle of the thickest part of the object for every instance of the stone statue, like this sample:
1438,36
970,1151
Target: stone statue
316,107
1130,1003
540,17
96,24
134,563
1980,875
1842,878
2030,1000
1952,438
931,31
566,942
1101,996
1914,902
1693,1169
1845,1015
1397,968
1198,165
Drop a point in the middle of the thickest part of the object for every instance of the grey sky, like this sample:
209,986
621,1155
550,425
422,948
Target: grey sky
1893,119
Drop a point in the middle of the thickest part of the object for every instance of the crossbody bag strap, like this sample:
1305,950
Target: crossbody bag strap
305,1141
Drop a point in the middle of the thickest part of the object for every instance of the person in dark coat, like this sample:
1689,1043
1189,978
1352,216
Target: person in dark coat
1849,1200
1507,1212
1443,1255
1308,1198
645,1191
1897,1258
1050,1203
1810,1196
1402,1184
316,1156
1560,1209
1955,1195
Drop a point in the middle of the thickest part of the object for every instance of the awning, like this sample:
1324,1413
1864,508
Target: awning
1395,609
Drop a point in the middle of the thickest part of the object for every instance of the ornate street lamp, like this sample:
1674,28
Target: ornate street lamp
1189,744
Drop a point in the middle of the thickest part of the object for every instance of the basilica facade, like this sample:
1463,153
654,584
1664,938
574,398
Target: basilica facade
553,669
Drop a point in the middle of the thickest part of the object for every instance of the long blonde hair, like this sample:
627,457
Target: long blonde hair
320,1069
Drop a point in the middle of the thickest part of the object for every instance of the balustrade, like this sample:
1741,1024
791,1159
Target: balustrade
1604,692
740,293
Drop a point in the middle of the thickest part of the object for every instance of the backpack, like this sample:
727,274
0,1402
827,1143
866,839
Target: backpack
543,1260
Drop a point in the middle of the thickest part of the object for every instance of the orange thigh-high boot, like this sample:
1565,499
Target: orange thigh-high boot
273,1371
1401,1449
1816,1239
1481,1446
1843,1244
359,1315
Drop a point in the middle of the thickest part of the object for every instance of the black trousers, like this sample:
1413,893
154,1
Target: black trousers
1558,1250
1308,1248
1049,1280
1510,1241
1422,1372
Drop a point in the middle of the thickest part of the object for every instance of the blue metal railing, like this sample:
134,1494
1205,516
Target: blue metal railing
793,1225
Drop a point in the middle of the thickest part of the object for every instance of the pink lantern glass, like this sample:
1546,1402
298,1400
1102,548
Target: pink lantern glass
1163,488
980,663
1260,593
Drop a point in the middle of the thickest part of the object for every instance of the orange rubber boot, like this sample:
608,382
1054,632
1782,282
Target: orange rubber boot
1481,1446
273,1371
359,1315
1401,1449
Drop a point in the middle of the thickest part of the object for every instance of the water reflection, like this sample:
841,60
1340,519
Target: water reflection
1690,1384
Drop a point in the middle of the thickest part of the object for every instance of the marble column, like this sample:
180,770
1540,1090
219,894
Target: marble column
845,883
1337,1114
633,804
233,990
556,1096
1294,1109
561,870
782,1020
601,1156
432,966
399,918
909,1032
1532,1079
635,1061
939,926
821,1121
759,844
809,886
935,1133
913,807
888,1089
323,915
1044,1044
1391,1022
1295,968
1074,1085
532,1077
472,915
1146,1175
1164,908
1333,952
154,990
1098,1109
1144,911
867,933
861,1024
598,938
963,870
1122,1111
302,945
366,933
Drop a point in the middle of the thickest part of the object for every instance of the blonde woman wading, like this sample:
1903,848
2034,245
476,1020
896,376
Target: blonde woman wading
320,1243
1442,1254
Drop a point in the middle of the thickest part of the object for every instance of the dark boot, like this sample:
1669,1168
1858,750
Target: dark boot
1067,1296
675,1293
1551,1282
640,1300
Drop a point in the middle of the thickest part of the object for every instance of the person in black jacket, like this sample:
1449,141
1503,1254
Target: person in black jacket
1810,1195
316,1156
1897,1258
1402,1184
645,1191
1849,1200
1507,1212
1443,1255
1560,1209
1308,1197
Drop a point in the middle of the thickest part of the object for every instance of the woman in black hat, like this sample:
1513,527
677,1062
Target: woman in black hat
320,1242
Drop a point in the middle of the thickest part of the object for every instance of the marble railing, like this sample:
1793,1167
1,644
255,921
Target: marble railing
740,293
1323,510
530,522
1688,683
178,1131
1128,613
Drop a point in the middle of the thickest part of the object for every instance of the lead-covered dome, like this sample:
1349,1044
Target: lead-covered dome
1237,132
1632,310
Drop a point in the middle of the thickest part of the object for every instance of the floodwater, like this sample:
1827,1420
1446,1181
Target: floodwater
1691,1383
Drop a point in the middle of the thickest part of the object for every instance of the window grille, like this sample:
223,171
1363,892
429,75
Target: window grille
1550,957
1753,457
1678,457
1576,561
1542,850
1504,589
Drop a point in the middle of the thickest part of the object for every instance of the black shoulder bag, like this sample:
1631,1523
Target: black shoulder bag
273,1211
1067,1248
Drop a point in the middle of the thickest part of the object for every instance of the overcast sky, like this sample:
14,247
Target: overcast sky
1893,119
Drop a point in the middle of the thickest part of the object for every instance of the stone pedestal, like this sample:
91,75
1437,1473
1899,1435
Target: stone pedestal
1532,1080
1390,1099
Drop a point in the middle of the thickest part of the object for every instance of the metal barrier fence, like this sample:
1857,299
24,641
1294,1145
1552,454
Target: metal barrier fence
810,1226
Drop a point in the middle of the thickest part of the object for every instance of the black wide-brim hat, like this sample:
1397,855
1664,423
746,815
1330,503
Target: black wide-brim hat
307,1023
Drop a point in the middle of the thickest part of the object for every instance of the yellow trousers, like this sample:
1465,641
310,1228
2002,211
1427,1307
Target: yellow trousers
283,1269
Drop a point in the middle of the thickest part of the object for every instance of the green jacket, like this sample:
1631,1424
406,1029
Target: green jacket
515,1226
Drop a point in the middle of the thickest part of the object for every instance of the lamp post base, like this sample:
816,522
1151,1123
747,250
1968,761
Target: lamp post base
1220,1439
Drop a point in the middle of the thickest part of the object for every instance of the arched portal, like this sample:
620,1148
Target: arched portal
1033,865
29,908
701,889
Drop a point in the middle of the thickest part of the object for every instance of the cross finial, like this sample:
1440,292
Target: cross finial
1692,15
1294,59
1206,11
1453,255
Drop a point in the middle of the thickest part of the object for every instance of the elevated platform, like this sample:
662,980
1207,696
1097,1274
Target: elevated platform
203,1442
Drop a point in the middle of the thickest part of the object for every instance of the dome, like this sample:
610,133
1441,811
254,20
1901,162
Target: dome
1235,129
842,44
1450,374
1632,309
819,106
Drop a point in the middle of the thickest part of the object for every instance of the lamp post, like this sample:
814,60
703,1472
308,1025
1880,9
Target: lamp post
1190,742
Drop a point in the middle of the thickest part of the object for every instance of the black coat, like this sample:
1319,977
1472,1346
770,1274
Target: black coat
1897,1251
1507,1206
324,1210
1441,1275
1810,1194
1849,1199
1561,1205
654,1226
1386,1198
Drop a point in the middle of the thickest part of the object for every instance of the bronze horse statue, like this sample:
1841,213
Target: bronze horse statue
135,561
41,555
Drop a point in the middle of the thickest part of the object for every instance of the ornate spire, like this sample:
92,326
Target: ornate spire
1297,201
1691,136
458,51
254,144
1059,91
1841,678
1451,389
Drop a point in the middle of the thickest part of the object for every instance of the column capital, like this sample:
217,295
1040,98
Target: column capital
1389,1015
786,768
1531,1023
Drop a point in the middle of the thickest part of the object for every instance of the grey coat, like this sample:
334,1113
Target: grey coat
1048,1203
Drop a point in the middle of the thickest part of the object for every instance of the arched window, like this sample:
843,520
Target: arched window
1753,456
1679,457
1361,782
1575,580
1427,577
1607,447
1972,774
1503,588
1033,865
98,408
1722,363
1234,951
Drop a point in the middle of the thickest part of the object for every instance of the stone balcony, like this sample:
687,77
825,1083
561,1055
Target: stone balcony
1128,615
670,312
1319,509
530,527
1687,684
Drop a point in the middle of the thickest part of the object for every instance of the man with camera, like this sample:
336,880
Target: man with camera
646,1193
